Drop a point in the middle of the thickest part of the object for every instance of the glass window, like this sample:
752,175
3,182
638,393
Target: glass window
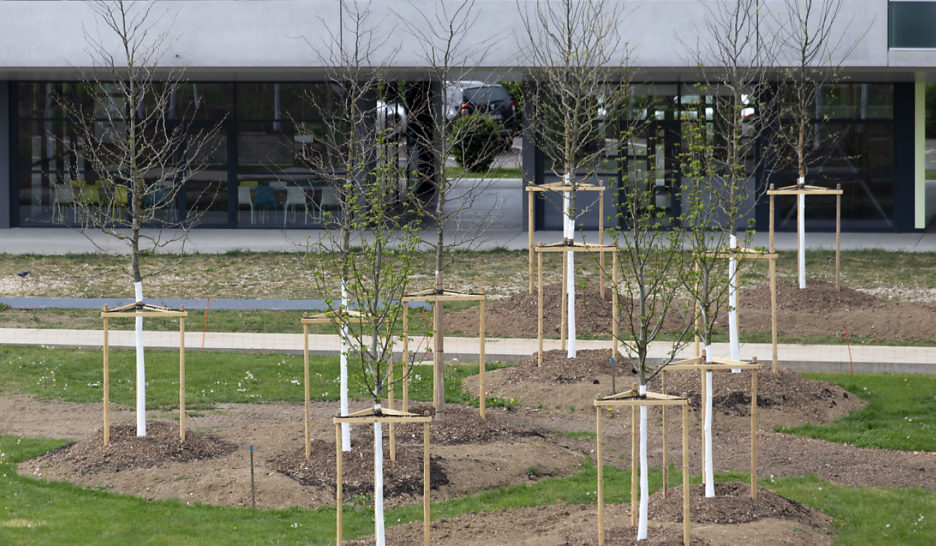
910,24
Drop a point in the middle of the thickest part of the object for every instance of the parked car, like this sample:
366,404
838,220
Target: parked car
391,117
464,98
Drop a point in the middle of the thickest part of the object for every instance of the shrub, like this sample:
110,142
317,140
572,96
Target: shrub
475,142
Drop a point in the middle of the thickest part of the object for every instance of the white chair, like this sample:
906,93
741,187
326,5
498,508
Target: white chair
243,198
329,201
296,197
63,195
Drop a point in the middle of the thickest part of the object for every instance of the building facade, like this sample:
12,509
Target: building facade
251,67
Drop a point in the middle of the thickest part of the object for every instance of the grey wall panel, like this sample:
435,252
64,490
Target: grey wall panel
273,38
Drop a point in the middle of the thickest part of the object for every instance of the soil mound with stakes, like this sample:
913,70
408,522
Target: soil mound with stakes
732,391
732,504
126,450
404,476
818,295
460,425
516,315
587,365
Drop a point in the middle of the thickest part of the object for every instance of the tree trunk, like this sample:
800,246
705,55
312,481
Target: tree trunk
801,237
345,427
140,367
378,483
709,477
569,236
644,472
734,342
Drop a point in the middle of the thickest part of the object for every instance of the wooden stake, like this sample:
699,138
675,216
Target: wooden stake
481,395
754,430
106,384
182,376
634,442
771,223
308,405
539,312
530,224
601,277
702,412
600,477
435,356
665,464
773,309
614,308
390,393
338,503
406,360
838,234
562,302
685,469
426,484
698,312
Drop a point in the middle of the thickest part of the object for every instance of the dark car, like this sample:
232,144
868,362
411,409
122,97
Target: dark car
464,98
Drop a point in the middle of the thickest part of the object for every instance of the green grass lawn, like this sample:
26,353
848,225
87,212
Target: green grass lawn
900,414
35,512
75,375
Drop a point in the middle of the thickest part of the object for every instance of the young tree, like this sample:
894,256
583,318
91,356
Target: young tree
135,136
815,43
652,267
351,147
741,106
376,275
438,132
574,48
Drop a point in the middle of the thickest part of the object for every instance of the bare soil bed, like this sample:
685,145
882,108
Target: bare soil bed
818,310
548,433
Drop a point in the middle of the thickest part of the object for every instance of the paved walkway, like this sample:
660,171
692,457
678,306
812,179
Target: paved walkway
215,241
819,358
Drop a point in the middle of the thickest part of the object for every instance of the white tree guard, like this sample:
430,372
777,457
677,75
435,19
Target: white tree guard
643,512
378,484
801,235
733,339
140,367
345,427
707,427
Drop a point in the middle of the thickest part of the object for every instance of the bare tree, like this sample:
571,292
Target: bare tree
574,49
135,136
815,42
450,57
350,147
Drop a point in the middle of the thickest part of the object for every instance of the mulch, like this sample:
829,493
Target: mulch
126,450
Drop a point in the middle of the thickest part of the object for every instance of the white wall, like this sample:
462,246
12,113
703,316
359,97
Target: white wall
260,39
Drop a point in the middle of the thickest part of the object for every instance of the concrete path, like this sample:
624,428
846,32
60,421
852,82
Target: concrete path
216,241
819,358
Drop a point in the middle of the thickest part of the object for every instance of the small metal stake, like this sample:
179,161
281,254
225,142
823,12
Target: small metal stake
253,491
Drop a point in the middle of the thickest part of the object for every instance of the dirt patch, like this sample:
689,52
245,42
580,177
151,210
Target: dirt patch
729,518
460,425
732,503
817,310
402,476
126,450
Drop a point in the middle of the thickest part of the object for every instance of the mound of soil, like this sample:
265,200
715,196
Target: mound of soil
126,450
818,295
404,476
732,503
460,425
817,310
516,315
732,391
558,368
